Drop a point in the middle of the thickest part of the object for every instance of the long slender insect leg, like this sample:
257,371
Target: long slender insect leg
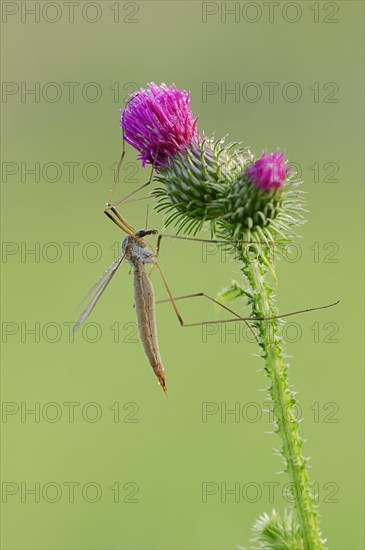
110,209
113,213
120,222
171,299
204,295
111,206
145,197
212,241
139,188
238,317
119,166
117,172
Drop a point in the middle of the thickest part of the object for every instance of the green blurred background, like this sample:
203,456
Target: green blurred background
159,452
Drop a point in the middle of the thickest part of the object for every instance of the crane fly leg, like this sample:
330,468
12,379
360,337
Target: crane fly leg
118,219
111,205
171,298
145,197
197,294
139,188
212,241
222,321
203,295
117,172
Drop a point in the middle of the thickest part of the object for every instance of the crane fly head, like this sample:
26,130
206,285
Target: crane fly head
144,232
138,237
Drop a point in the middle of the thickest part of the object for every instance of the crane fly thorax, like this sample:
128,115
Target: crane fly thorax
136,251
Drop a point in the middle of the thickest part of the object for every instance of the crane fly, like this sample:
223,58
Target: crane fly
136,251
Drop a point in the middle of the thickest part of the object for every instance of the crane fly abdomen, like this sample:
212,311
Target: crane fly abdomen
144,297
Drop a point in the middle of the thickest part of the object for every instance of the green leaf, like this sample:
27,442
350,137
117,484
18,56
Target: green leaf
232,292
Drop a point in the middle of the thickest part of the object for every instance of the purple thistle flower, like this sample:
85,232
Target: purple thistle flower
158,123
269,171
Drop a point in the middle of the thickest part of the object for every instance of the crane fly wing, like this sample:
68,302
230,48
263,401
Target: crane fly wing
102,279
98,288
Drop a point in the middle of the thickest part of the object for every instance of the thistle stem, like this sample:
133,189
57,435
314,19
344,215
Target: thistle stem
284,403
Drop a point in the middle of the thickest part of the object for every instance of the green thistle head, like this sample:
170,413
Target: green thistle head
195,183
243,199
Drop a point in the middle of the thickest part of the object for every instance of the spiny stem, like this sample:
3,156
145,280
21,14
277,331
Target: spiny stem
284,404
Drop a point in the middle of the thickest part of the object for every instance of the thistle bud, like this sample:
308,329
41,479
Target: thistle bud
268,172
257,199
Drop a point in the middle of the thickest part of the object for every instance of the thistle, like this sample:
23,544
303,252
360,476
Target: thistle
204,180
247,202
158,123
